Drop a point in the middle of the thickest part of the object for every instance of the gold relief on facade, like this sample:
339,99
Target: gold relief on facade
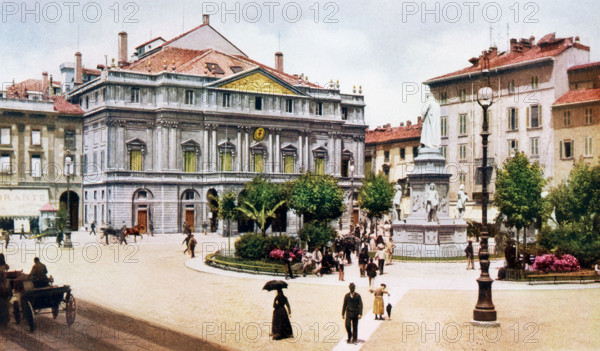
258,83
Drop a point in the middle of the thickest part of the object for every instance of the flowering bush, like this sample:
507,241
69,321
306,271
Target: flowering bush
553,263
278,254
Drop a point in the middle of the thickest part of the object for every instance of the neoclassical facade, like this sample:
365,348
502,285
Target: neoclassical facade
164,133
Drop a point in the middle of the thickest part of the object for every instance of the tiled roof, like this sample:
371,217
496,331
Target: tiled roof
548,46
91,71
170,56
63,106
20,90
584,66
578,96
48,208
389,134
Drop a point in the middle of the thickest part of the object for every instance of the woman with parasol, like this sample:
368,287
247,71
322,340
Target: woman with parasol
281,327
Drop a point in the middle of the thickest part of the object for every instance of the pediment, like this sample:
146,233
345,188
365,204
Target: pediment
257,80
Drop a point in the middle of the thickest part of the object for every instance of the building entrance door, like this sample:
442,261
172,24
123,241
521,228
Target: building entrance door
189,218
142,217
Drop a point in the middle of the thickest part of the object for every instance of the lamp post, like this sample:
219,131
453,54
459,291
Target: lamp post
484,311
68,173
351,174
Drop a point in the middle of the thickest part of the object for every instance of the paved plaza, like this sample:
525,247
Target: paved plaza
152,281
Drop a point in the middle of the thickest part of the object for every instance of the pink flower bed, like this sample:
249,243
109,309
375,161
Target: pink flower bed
552,263
278,254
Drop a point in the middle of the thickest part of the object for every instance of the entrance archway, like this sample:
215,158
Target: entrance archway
141,209
74,210
188,209
212,197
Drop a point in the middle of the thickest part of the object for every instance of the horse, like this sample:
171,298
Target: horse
135,231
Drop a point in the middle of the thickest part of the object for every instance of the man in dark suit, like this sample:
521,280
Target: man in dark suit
352,311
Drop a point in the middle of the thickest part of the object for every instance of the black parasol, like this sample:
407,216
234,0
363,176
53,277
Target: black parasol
275,285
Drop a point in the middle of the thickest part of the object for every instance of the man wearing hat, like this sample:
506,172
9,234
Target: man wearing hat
352,311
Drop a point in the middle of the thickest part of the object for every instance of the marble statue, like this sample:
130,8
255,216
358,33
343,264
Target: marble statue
461,202
432,202
431,132
397,212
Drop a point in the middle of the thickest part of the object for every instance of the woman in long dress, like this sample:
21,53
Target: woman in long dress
378,309
281,327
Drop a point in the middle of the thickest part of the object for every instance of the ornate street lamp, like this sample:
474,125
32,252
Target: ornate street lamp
68,172
484,311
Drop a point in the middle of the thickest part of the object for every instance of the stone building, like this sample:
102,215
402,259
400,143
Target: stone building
39,131
576,121
526,81
196,117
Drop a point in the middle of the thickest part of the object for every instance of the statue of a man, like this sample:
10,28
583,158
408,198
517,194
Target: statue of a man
461,202
397,201
431,132
432,201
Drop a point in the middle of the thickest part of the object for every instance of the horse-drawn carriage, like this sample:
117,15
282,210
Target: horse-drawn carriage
114,234
28,301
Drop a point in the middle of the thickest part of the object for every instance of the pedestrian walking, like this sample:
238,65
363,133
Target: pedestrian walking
340,259
348,250
469,254
186,241
378,309
380,256
363,259
352,312
287,260
371,271
192,245
389,251
6,238
22,235
123,234
151,228
93,231
59,238
317,260
281,328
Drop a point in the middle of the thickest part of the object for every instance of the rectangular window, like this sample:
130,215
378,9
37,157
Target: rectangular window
5,163
513,147
444,126
513,118
462,177
258,162
288,164
5,136
189,97
415,151
368,165
402,153
36,137
462,95
289,105
511,86
226,100
135,95
567,118
344,168
588,146
386,156
319,109
345,113
462,124
566,149
226,161
534,146
95,161
102,159
462,152
190,161
135,160
443,97
534,82
444,150
534,118
36,166
258,103
70,143
589,119
319,165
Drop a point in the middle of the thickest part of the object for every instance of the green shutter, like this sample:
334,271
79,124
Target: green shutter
226,161
135,160
190,161
258,162
320,165
288,164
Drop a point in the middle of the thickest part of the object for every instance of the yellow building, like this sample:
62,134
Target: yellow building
576,117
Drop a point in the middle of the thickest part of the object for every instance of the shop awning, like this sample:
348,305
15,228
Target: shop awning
22,202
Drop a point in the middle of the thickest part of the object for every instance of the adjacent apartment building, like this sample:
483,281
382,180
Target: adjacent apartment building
526,81
194,117
576,120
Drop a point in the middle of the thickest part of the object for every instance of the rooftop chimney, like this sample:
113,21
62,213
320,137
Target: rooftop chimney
206,19
122,49
401,124
408,123
419,120
78,69
279,61
45,83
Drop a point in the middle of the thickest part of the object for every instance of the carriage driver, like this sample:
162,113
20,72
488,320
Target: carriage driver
38,274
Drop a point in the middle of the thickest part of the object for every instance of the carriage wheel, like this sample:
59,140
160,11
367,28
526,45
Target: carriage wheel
55,311
17,312
113,239
28,314
71,310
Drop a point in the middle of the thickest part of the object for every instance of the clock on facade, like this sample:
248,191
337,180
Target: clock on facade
259,134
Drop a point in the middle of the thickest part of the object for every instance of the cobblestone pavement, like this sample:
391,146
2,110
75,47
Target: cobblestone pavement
147,280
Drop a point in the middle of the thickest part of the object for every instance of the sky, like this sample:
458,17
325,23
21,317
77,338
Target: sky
387,47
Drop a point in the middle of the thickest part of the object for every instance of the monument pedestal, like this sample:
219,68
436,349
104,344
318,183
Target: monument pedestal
441,236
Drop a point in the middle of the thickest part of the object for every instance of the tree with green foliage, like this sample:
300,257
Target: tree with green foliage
227,211
375,196
316,197
261,192
518,195
260,217
317,234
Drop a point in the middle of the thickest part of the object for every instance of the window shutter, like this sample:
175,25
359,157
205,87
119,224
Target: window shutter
508,118
516,118
560,147
528,116
539,115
